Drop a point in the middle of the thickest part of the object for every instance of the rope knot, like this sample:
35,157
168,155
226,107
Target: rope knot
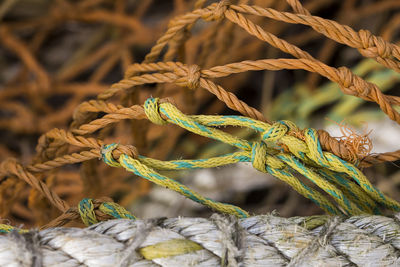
94,210
189,76
217,12
151,108
260,158
193,77
352,84
275,132
373,46
111,153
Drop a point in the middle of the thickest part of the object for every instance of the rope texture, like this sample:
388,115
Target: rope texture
265,240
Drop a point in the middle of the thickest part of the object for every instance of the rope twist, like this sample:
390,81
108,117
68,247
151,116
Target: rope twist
374,46
217,11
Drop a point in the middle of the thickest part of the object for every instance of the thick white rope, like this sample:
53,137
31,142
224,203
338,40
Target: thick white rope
219,241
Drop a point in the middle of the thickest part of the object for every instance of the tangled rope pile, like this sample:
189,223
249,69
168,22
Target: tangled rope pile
282,150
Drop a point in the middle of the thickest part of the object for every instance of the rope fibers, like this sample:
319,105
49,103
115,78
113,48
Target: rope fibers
265,240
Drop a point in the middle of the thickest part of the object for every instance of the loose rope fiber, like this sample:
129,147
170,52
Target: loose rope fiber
265,240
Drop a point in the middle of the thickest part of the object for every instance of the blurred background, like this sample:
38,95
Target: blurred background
57,54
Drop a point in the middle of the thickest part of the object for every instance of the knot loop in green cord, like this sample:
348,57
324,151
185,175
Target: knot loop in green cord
151,108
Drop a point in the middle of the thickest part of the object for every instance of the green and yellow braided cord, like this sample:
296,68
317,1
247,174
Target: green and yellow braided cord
348,186
86,210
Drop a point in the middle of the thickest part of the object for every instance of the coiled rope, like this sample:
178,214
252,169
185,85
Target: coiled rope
265,240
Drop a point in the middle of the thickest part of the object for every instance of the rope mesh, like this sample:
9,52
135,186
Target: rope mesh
185,72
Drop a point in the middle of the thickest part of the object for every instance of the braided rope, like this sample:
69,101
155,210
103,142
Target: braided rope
308,150
326,170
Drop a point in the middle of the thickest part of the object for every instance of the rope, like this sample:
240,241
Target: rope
277,153
86,210
304,157
265,240
179,73
282,149
331,176
91,211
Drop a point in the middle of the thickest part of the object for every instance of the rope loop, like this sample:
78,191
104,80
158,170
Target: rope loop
218,12
315,150
86,210
106,155
151,108
260,158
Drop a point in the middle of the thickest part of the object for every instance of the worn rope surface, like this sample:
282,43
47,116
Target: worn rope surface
219,241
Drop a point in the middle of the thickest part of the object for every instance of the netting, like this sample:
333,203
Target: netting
196,64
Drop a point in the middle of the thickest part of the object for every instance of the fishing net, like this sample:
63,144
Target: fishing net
83,124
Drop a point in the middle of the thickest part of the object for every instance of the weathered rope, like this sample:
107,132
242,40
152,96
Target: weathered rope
265,240
306,157
281,151
176,72
369,45
277,153
86,210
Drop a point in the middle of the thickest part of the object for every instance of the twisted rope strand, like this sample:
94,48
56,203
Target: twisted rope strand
366,43
349,83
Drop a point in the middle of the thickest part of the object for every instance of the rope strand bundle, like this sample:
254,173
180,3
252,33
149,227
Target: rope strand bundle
219,241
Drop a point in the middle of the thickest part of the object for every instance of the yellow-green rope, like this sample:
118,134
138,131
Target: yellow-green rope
86,210
348,186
